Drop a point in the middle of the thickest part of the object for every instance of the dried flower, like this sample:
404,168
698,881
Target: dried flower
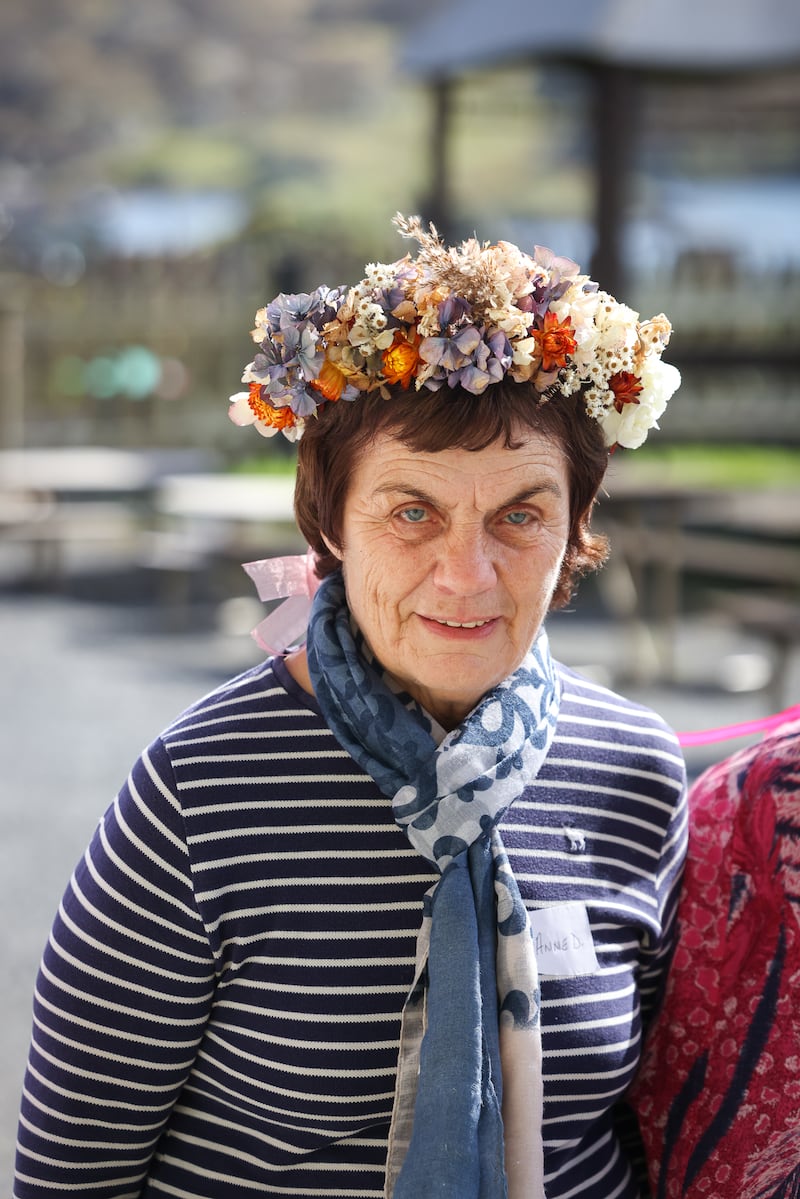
626,388
249,408
554,341
400,360
465,316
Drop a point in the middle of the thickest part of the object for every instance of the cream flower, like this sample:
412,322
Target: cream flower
630,427
242,412
582,307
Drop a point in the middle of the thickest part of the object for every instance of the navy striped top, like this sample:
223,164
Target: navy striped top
218,1006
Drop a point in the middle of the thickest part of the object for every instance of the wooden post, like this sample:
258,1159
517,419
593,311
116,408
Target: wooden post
614,129
437,206
12,363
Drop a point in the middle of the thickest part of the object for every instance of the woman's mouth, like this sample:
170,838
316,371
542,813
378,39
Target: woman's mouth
441,626
461,624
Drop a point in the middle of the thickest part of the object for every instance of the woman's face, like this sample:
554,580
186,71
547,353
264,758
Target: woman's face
450,560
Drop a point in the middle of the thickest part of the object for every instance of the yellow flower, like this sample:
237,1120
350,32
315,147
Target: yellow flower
330,381
265,414
401,359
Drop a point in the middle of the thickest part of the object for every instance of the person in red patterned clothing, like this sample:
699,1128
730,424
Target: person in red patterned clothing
718,1094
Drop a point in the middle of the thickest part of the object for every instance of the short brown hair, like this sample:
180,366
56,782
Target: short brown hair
430,422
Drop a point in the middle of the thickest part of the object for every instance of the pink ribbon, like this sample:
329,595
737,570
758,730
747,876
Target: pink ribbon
293,580
746,729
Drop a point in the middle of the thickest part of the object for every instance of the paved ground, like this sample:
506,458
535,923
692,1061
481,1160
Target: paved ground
85,685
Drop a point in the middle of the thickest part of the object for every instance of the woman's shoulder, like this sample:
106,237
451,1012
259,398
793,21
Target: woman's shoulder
603,730
264,693
594,701
257,727
745,808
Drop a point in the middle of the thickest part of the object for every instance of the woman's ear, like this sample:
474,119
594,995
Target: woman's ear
337,553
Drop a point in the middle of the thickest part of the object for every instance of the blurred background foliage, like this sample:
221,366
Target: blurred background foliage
165,167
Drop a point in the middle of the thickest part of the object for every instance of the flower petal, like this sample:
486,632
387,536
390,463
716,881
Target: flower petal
240,411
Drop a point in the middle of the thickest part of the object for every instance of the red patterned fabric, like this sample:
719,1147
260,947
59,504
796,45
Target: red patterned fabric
718,1094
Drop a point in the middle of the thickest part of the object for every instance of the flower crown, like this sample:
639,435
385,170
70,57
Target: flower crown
466,317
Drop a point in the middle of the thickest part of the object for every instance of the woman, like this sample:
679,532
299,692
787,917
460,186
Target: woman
386,914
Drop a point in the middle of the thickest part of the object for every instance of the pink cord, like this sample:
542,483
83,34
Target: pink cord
746,729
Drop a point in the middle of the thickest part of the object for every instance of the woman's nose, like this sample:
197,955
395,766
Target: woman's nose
464,563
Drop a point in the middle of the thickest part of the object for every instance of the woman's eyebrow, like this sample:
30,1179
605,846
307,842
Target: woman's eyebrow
550,487
414,493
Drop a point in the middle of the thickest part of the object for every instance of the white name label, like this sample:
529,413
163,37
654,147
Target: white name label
563,940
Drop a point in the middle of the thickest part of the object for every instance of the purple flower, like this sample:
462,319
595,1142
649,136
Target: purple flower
302,401
453,311
390,297
469,359
262,368
564,267
550,284
451,353
491,360
300,349
278,387
318,307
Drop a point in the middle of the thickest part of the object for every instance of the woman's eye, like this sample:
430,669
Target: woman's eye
518,518
413,516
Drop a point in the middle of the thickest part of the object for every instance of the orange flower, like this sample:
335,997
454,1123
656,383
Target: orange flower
401,359
626,388
554,342
274,418
330,381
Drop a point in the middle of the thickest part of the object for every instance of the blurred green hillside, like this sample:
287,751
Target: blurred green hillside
300,108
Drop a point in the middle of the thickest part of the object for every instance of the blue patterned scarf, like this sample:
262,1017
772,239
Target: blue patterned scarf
468,1103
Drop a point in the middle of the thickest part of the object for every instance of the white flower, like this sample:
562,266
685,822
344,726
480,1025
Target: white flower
618,325
630,427
368,310
378,274
524,351
570,381
513,322
293,432
596,402
262,326
242,413
582,307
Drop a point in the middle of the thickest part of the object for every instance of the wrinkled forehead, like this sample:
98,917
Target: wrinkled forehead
490,477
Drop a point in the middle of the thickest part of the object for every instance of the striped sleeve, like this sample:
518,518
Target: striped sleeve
657,952
121,1001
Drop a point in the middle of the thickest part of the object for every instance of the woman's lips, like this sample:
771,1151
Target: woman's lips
461,630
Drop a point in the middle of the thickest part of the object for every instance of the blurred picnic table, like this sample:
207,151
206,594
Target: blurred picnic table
740,547
53,498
